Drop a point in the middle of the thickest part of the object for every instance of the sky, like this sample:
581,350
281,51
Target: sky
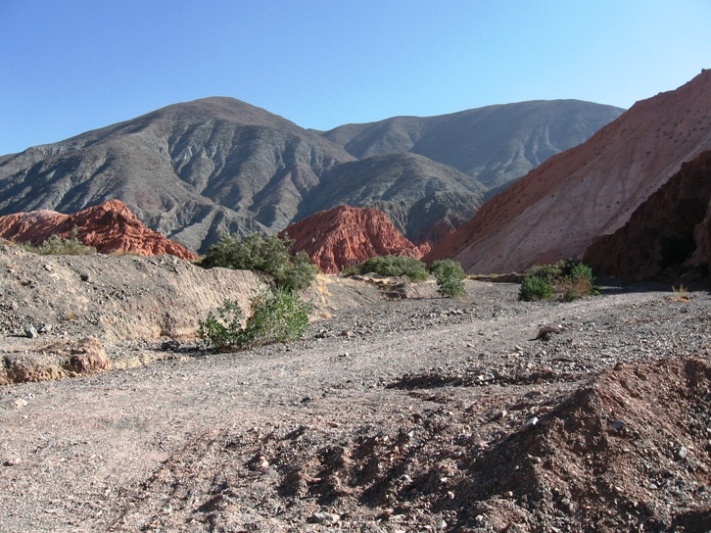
69,66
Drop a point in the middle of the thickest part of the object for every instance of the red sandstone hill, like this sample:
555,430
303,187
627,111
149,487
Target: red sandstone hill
558,209
109,227
345,236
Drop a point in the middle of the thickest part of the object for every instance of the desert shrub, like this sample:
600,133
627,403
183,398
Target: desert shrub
263,254
393,266
278,315
535,288
225,330
450,278
56,245
567,280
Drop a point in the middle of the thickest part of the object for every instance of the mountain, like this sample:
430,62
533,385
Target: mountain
190,171
671,229
109,227
345,236
495,144
558,209
417,193
195,170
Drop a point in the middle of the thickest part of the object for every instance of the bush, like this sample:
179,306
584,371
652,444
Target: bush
263,254
392,266
569,280
450,278
535,288
57,245
224,331
279,316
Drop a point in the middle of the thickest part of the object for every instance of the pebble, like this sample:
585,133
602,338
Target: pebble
530,423
325,518
30,331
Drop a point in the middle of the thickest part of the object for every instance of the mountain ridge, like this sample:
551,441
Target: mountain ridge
196,170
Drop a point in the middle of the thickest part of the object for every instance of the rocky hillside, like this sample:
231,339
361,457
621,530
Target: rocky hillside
109,227
495,144
670,229
559,208
195,170
345,236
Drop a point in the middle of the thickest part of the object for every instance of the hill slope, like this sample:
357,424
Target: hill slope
559,208
195,170
495,144
346,236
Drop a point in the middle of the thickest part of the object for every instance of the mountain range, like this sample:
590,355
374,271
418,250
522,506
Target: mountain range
592,190
196,170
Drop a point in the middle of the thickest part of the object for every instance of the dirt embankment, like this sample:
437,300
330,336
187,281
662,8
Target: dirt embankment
416,414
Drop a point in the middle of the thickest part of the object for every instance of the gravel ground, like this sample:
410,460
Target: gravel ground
391,415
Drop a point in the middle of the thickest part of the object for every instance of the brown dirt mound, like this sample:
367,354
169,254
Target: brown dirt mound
626,451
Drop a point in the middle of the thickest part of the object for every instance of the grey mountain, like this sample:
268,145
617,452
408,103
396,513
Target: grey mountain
495,144
196,170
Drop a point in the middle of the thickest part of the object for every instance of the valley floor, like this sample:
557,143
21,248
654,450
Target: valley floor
418,414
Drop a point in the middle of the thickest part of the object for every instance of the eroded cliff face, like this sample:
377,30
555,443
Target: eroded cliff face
560,208
668,231
109,227
345,236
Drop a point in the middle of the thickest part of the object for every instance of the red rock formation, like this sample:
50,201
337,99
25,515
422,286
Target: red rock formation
664,231
109,227
558,209
345,236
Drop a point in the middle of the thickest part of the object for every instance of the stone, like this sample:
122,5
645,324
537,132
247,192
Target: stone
30,331
321,517
530,423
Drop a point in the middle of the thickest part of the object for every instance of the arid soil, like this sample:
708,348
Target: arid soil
391,415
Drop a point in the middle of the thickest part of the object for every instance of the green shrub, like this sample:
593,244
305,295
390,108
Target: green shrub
225,330
393,266
535,288
569,280
278,316
56,245
263,254
450,278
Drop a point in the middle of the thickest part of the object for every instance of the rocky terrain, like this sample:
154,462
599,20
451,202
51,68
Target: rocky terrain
346,236
195,170
391,415
668,233
557,210
109,227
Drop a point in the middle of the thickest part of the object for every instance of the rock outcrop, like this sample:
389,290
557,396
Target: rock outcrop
109,227
667,231
345,236
558,209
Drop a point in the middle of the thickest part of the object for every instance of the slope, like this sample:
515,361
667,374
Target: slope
495,144
559,208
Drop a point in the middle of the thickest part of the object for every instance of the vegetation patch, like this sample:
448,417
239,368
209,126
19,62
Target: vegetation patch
450,278
56,245
270,255
278,315
391,266
565,281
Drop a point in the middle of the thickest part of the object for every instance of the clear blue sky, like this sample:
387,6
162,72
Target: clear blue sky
68,66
